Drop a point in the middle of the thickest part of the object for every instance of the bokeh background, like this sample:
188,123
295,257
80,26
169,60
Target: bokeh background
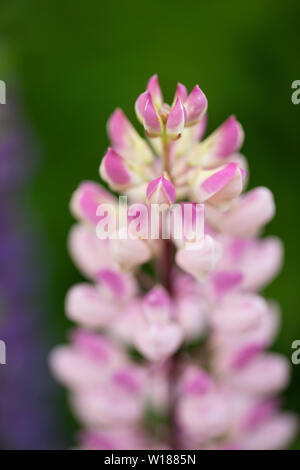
67,65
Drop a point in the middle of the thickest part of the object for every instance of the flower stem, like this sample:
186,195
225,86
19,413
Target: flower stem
173,382
167,263
167,266
166,155
166,271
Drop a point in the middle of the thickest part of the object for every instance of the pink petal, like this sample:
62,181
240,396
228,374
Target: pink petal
199,258
228,138
253,211
152,123
157,342
219,179
161,191
223,186
181,92
113,169
176,119
157,305
154,89
89,252
113,280
130,252
140,105
86,199
196,106
85,306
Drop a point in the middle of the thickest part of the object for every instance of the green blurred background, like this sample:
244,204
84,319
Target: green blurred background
74,62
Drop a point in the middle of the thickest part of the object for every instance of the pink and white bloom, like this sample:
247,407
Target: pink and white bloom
161,192
96,306
199,258
218,186
176,120
158,336
173,328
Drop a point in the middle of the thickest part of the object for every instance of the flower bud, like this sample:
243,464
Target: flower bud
218,186
199,258
176,120
252,212
214,411
192,315
126,141
242,312
129,252
140,105
114,171
86,199
87,362
264,374
151,119
221,144
89,253
115,285
158,341
85,305
181,92
225,282
275,434
157,305
154,89
228,138
196,106
258,260
161,191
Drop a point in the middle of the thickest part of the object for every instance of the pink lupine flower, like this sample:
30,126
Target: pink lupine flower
192,228
104,406
199,258
87,362
239,313
128,252
196,106
221,144
157,305
152,121
275,434
192,315
90,254
203,411
176,120
116,171
247,215
95,306
155,91
125,139
158,337
173,323
154,114
86,199
161,191
259,260
85,305
158,342
263,374
218,186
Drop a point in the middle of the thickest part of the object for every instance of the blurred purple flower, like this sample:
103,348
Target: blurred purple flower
26,391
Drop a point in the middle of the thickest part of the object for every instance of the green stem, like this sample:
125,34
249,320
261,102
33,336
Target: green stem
166,155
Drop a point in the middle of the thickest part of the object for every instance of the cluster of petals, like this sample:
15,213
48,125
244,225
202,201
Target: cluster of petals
210,318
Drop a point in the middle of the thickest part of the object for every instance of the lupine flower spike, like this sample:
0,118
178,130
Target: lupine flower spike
171,323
